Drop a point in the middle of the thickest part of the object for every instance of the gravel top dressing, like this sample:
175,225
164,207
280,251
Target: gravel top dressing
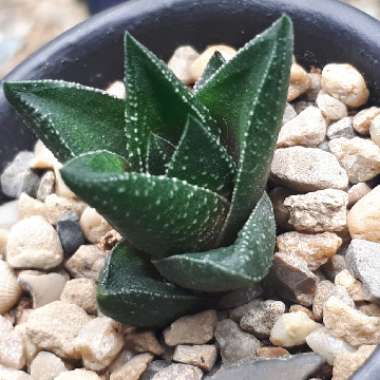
316,315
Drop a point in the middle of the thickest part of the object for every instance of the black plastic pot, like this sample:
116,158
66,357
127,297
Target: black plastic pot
91,53
96,6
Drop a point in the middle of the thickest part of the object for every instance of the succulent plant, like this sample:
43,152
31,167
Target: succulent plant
179,172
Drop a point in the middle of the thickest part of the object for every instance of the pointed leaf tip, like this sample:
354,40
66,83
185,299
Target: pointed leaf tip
69,118
247,97
158,102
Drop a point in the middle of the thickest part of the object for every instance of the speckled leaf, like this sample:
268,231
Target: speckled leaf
132,292
160,151
201,160
240,265
215,62
69,118
157,102
247,97
158,215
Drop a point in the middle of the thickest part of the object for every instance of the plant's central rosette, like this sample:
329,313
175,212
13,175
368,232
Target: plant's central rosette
179,172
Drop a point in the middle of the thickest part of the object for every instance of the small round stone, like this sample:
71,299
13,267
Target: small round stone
46,186
46,366
55,326
70,233
322,342
299,82
93,225
34,243
81,292
357,192
181,61
374,130
18,178
307,129
291,329
360,157
11,346
315,249
307,169
43,287
235,345
117,89
363,219
346,83
199,64
332,108
192,329
363,120
99,342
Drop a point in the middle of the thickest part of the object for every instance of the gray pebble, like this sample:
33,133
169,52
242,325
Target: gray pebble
363,260
18,178
46,186
70,234
235,345
153,368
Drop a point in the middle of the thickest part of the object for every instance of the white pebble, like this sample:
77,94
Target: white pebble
332,108
34,243
299,82
93,225
47,366
117,89
200,63
307,129
99,342
291,329
11,346
10,290
81,292
43,287
9,214
344,82
363,119
323,343
181,61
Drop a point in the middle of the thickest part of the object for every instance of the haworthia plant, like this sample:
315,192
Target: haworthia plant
179,172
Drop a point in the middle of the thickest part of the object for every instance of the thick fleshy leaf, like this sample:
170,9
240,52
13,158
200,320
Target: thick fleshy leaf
247,97
158,215
240,265
201,160
215,62
132,292
70,118
157,102
160,151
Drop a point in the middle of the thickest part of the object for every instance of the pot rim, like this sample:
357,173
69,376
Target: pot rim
333,10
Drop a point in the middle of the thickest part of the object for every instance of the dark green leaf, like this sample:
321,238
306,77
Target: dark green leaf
201,160
158,215
215,62
69,118
131,291
157,102
247,97
240,265
160,152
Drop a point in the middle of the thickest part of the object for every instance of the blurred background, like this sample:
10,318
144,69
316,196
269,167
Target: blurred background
26,25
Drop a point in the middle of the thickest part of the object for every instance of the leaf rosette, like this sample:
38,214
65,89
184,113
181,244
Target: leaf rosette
179,172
